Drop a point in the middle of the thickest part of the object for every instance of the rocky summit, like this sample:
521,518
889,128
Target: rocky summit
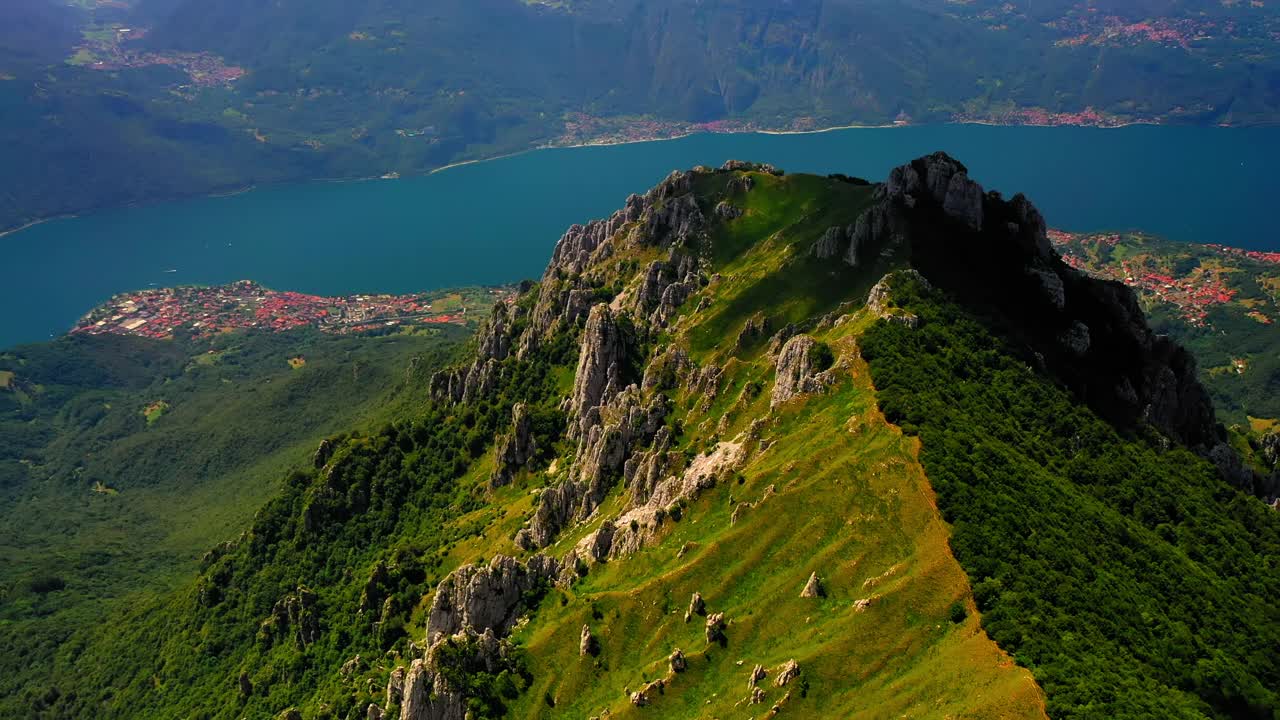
756,445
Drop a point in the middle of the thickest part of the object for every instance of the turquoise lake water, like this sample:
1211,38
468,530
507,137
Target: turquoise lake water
497,221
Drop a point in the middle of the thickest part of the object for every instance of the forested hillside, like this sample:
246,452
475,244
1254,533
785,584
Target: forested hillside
123,460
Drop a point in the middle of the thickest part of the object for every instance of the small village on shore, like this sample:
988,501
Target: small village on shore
246,305
1191,278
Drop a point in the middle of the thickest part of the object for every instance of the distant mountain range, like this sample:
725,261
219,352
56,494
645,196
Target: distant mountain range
107,103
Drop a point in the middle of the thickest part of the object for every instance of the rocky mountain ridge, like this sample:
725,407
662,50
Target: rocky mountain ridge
929,214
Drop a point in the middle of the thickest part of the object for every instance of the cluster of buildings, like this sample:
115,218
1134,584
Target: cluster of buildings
106,50
1110,30
1192,293
1269,258
1039,116
584,129
205,311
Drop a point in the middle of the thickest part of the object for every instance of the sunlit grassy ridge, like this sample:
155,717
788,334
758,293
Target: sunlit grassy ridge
839,492
851,504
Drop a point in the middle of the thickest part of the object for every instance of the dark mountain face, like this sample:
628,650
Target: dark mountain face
993,255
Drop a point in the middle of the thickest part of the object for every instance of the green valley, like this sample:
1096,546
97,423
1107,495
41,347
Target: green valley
124,459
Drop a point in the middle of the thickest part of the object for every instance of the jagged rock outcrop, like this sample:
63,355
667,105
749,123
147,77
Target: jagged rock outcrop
756,328
701,473
478,598
833,243
677,661
880,299
395,688
812,588
757,674
943,179
609,433
428,693
666,370
323,452
781,337
599,374
464,384
350,667
608,436
994,254
798,370
493,340
1076,339
296,615
587,642
514,449
666,217
1267,484
1269,447
744,166
705,384
372,594
790,670
473,609
645,469
640,524
697,606
373,712
641,697
725,211
663,288
715,627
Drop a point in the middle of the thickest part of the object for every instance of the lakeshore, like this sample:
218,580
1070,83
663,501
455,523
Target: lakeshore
495,221
604,141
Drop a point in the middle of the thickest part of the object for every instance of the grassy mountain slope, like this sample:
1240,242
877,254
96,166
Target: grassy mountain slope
839,493
690,402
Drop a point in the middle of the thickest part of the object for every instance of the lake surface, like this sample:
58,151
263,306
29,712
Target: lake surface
497,221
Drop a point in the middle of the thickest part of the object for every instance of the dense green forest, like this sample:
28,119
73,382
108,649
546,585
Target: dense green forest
335,89
1127,577
123,460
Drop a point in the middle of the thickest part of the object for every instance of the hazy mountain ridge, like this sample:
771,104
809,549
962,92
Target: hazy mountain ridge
337,90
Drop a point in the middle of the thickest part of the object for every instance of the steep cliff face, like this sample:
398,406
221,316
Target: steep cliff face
995,256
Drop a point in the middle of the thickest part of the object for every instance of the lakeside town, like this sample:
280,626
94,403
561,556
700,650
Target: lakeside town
105,48
1192,278
247,305
585,129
